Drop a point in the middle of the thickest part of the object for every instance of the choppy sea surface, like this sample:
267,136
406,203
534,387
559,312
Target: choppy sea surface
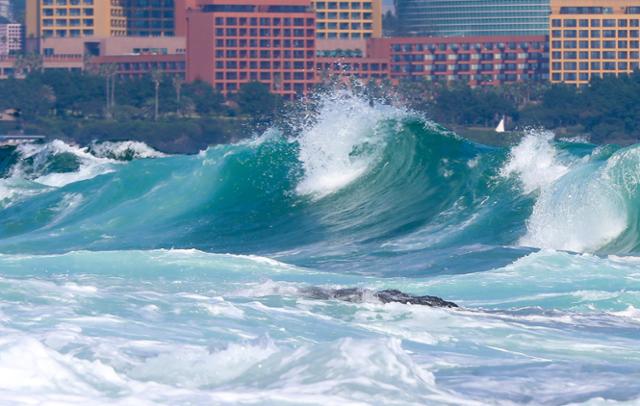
129,277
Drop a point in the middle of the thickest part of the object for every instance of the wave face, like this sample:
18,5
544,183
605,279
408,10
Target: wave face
134,277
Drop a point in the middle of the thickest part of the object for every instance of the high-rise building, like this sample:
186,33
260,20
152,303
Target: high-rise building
447,18
5,10
10,38
348,19
149,18
231,42
101,18
592,39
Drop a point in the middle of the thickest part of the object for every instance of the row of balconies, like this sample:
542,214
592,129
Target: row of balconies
65,3
344,26
468,68
469,47
344,5
595,55
64,22
595,44
594,66
595,34
468,57
344,16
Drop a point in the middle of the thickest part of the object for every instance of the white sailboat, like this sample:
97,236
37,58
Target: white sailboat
500,127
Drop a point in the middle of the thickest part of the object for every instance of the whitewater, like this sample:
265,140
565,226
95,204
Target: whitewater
130,277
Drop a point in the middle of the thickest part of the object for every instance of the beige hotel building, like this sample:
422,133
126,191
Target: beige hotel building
592,39
348,19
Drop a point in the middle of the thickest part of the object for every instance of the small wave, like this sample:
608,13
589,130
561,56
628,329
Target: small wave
124,150
57,164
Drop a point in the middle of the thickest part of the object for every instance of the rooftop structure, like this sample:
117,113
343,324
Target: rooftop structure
445,18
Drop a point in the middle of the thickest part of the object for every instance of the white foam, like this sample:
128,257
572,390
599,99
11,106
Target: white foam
98,159
124,150
89,166
196,367
630,313
218,307
28,366
535,161
342,144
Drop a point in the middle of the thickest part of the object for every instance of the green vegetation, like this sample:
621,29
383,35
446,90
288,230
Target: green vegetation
162,111
174,116
606,110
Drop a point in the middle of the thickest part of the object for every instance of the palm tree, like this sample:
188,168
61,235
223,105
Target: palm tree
109,71
178,81
156,77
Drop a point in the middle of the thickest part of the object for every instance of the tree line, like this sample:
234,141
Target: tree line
606,110
77,95
162,110
97,104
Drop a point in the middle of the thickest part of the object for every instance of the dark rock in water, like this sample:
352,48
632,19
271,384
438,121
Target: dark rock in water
392,295
358,295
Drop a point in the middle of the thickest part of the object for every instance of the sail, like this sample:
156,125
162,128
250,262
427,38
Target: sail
500,127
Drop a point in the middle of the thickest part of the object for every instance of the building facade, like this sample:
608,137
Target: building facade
10,38
272,41
447,18
149,18
477,61
49,63
110,46
592,39
101,18
138,66
5,9
348,19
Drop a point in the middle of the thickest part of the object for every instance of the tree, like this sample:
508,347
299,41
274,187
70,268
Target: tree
187,107
205,98
109,72
30,97
254,99
177,82
77,93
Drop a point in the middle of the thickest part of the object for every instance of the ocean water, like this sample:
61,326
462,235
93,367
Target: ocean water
130,277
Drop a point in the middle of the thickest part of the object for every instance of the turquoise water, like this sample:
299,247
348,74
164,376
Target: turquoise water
181,279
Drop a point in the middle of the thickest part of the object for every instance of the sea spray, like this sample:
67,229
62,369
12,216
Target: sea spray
186,279
535,161
342,142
